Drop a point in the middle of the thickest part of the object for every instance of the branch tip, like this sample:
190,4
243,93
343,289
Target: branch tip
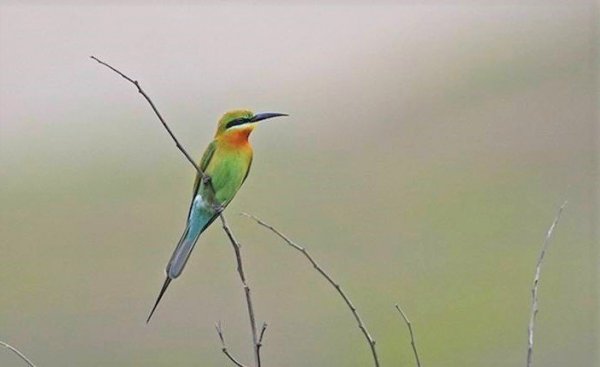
334,284
536,283
412,336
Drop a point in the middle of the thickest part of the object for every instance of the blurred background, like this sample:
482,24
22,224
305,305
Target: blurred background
428,150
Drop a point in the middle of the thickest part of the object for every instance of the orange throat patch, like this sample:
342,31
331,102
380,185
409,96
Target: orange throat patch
238,137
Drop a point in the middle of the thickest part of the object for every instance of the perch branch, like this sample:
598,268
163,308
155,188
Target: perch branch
224,346
156,112
240,268
17,352
335,285
234,243
536,282
412,336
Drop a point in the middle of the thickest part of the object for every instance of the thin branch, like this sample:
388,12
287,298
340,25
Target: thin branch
224,346
335,285
156,112
206,178
262,334
17,352
536,282
412,336
240,268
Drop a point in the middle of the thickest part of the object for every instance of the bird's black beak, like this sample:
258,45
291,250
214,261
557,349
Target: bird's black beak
266,115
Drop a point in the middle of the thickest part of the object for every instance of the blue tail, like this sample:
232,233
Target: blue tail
200,217
197,223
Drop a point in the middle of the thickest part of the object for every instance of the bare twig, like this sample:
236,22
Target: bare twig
224,346
335,285
234,243
262,334
240,268
156,112
412,336
17,352
536,281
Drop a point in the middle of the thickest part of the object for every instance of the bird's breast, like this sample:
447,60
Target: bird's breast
228,169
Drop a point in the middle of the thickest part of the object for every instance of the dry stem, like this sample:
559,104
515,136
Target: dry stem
536,282
335,285
224,346
17,352
240,268
412,336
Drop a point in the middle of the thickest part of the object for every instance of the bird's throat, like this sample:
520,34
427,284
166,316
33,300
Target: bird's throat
238,137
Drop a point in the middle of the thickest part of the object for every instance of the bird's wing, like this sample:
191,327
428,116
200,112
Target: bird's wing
247,171
206,157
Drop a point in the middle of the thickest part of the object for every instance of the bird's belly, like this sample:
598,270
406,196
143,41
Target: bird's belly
227,175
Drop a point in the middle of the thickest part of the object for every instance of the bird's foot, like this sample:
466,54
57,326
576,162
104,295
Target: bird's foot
206,179
218,208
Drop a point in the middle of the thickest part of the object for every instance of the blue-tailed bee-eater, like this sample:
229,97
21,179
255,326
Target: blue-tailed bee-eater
225,163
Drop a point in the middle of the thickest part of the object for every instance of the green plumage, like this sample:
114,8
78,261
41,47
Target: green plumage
227,169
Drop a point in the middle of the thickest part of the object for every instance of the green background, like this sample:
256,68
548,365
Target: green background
427,151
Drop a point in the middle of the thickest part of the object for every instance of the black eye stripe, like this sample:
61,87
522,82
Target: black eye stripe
239,121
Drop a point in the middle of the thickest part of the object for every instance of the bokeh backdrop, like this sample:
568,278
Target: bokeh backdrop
428,149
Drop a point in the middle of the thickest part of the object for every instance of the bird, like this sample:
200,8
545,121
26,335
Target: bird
225,165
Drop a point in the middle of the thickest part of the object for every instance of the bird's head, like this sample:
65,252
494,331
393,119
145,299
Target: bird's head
242,120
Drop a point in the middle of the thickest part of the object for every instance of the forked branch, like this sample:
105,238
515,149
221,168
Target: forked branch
262,335
536,283
224,345
334,284
256,342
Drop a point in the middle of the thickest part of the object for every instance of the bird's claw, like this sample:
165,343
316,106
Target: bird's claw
206,179
218,208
